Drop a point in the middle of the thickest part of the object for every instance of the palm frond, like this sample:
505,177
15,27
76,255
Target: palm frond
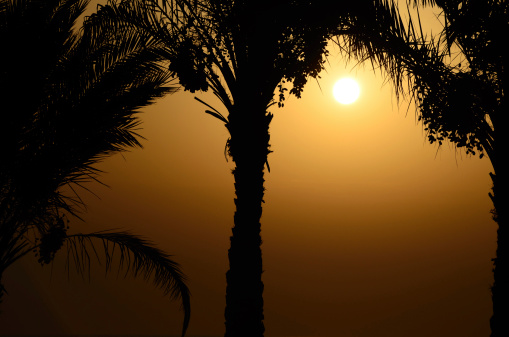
455,100
81,103
13,247
84,108
137,256
213,113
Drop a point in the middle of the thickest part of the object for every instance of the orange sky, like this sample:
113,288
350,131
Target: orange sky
367,229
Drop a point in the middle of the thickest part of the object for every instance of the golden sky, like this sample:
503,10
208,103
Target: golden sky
367,229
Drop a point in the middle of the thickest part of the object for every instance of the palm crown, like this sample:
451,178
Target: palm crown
69,99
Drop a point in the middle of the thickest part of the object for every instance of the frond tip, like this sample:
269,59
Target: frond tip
139,258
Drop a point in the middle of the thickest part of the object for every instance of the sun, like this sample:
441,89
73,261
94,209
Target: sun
346,90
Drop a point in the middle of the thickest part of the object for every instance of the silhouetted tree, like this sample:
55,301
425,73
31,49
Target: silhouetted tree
243,51
68,99
459,80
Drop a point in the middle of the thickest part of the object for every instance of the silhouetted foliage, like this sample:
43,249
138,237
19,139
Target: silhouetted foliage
243,51
69,98
458,80
454,77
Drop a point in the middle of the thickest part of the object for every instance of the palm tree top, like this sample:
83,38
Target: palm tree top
69,99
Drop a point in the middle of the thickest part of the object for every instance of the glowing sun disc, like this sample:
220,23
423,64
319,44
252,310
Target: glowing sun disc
346,91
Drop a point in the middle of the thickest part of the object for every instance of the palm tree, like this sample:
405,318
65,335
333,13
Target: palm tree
243,51
69,98
458,80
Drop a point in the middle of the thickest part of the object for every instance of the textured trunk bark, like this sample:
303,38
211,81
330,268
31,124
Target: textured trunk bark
2,290
249,145
7,232
499,322
500,290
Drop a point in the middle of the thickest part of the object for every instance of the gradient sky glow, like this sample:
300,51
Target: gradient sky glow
367,229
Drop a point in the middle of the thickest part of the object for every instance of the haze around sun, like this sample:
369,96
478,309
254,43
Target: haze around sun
346,90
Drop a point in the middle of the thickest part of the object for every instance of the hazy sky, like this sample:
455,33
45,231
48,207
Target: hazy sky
367,229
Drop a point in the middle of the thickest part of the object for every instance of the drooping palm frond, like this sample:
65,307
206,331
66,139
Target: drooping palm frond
13,248
452,100
85,90
116,73
459,83
69,99
378,34
137,257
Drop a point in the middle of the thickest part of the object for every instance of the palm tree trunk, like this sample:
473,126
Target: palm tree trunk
249,143
500,290
2,288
